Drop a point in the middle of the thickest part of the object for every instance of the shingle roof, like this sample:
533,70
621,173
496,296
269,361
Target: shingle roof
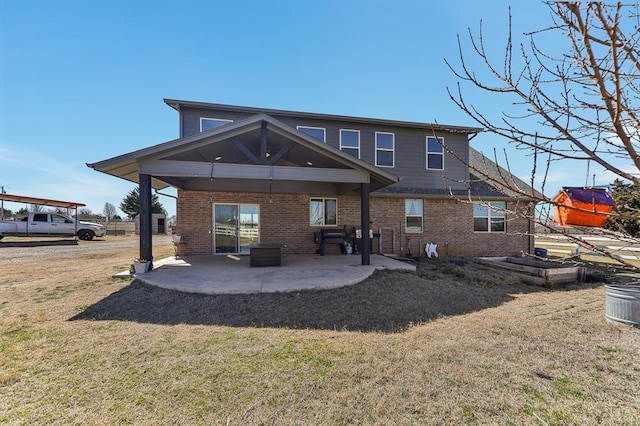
489,179
486,180
176,104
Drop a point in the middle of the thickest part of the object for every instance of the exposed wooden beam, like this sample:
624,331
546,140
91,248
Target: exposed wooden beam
202,139
245,151
275,158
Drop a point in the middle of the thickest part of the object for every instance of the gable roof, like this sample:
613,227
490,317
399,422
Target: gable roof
489,179
178,104
240,143
486,180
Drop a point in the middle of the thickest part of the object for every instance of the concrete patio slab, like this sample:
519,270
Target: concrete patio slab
225,275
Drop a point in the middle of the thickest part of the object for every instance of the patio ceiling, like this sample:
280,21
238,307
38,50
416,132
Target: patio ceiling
258,154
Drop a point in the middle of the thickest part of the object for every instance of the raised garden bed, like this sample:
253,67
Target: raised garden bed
537,272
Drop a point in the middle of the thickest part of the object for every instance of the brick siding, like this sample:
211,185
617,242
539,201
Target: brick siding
284,218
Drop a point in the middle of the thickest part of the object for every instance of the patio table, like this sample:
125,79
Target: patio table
265,255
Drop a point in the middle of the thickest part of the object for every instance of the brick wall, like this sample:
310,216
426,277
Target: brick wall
284,218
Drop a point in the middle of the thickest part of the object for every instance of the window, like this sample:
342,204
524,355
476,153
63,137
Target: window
413,216
350,142
316,132
489,217
41,217
385,143
212,123
59,219
323,211
435,153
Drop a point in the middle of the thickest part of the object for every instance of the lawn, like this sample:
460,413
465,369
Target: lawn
449,344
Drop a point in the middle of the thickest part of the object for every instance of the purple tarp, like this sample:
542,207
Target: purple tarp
590,195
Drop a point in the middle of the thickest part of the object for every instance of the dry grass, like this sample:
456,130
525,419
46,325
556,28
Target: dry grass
447,345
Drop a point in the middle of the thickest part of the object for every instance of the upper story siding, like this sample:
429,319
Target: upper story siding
410,150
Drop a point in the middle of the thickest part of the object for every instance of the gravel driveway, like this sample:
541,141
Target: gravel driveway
10,253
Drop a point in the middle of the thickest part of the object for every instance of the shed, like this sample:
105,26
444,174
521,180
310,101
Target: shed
583,206
158,223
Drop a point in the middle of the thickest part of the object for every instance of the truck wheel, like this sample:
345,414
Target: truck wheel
86,235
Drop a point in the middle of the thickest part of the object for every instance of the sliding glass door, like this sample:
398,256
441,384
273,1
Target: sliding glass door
236,227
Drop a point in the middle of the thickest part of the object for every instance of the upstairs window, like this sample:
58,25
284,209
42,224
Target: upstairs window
489,217
435,153
385,145
316,132
323,211
212,123
350,142
413,216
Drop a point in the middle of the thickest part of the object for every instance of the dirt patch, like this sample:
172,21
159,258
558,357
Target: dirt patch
14,248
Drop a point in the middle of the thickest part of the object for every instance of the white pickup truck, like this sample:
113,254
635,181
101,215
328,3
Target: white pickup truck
51,225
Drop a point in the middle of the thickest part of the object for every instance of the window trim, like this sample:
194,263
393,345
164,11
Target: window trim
488,205
324,219
202,119
350,147
407,215
441,139
392,150
324,132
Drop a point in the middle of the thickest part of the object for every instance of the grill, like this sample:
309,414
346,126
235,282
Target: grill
331,236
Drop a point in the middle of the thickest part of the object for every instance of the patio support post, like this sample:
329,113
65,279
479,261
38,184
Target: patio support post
145,217
364,216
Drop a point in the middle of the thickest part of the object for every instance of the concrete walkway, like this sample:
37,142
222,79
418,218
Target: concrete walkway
224,275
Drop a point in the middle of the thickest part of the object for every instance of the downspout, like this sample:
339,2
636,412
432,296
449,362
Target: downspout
181,120
532,230
170,196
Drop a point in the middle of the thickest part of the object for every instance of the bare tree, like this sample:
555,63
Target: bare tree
582,104
109,211
84,211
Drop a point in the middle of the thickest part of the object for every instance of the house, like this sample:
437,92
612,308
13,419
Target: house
250,175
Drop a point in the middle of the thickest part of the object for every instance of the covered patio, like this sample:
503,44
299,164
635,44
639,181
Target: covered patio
225,275
256,155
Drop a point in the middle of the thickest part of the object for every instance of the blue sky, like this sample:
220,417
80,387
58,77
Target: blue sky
83,81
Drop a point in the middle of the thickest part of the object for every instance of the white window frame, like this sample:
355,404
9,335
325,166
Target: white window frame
350,147
203,119
491,206
392,150
324,209
441,139
407,215
324,131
